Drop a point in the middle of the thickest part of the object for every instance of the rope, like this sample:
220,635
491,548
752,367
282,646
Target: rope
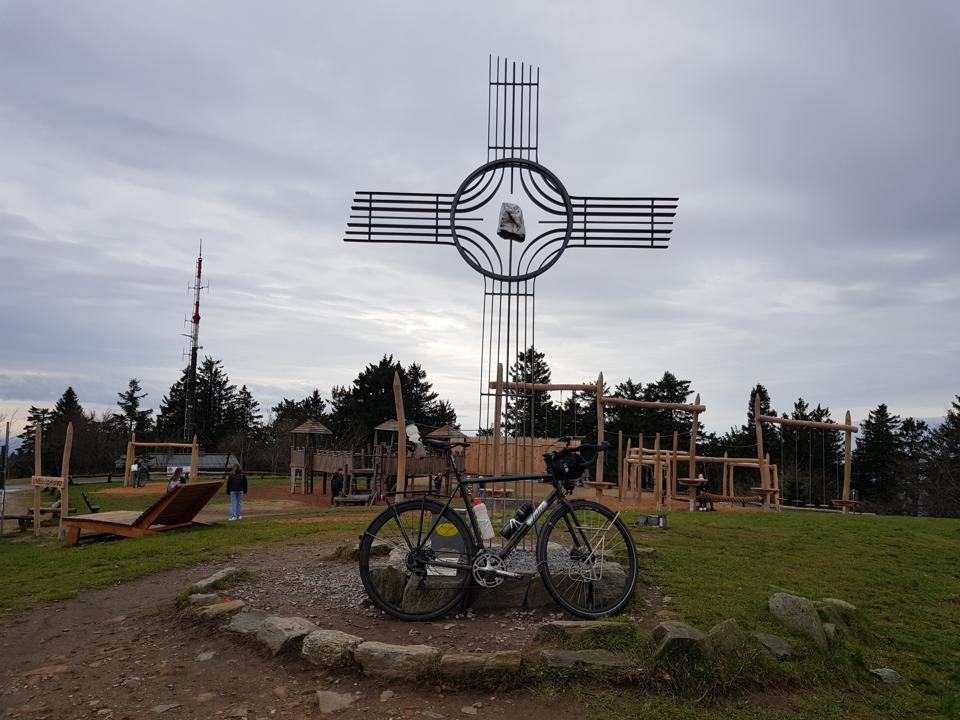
742,499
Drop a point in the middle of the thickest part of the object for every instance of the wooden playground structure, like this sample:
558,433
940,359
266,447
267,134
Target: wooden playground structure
59,482
132,446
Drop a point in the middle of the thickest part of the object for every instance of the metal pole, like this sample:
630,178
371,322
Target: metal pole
3,478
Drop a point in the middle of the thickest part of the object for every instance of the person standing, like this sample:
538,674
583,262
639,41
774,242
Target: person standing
143,474
236,489
336,485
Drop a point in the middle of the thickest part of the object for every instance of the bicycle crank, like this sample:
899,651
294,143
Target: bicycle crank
488,570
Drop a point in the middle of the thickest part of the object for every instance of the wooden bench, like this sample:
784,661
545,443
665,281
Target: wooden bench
176,509
366,499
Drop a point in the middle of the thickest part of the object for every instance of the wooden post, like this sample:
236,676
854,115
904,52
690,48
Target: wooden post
776,484
725,470
401,431
600,428
693,442
764,470
625,476
672,485
65,475
638,489
37,472
657,479
620,464
195,461
128,467
846,461
497,410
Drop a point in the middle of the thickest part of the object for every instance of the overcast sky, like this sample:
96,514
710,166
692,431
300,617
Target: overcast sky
814,147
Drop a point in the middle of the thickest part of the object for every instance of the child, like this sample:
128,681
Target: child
176,480
236,489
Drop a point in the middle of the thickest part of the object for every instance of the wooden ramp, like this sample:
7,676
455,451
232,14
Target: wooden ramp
174,510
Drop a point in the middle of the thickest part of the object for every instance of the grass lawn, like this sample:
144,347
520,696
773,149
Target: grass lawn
902,573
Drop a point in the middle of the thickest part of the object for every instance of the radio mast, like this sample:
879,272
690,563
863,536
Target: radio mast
190,406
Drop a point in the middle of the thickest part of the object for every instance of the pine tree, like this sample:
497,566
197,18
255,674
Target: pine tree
913,466
173,407
526,413
215,397
876,454
134,419
36,417
944,495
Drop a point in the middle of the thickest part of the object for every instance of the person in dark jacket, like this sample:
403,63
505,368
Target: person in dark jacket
236,489
336,485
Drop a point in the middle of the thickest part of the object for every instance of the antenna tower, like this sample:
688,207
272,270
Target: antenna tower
190,406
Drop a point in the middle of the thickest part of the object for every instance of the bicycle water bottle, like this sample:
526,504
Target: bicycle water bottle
483,519
514,523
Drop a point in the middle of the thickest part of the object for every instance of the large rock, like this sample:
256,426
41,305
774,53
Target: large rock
799,614
396,661
330,648
509,595
390,582
281,634
677,638
886,674
203,599
778,648
481,667
217,580
428,593
210,612
726,639
537,595
554,659
246,622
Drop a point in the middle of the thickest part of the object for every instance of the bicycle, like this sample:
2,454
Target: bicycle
418,557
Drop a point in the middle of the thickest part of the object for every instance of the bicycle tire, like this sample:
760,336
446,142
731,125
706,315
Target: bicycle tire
397,575
587,584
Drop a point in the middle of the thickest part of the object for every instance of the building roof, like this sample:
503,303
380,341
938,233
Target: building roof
312,427
446,432
388,426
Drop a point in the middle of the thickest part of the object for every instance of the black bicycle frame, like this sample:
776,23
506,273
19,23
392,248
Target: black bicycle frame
555,494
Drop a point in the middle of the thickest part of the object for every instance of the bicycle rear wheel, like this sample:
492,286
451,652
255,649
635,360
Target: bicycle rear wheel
587,559
406,556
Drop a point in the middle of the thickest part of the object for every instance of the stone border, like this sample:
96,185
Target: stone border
674,641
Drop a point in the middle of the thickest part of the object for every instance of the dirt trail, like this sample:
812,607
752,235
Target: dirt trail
122,652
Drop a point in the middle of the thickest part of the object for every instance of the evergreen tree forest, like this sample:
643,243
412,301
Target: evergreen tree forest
900,465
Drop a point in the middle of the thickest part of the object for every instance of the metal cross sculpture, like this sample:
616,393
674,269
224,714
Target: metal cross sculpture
510,255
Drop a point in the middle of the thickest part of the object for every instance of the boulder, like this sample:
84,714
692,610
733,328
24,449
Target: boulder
396,661
726,639
281,634
246,622
218,579
778,648
799,614
674,637
646,553
390,582
482,667
886,675
508,595
209,612
427,593
553,659
537,595
330,648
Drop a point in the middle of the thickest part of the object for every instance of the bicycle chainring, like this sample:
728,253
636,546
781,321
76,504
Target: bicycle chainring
483,564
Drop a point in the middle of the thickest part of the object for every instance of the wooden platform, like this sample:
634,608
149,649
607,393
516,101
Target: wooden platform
176,509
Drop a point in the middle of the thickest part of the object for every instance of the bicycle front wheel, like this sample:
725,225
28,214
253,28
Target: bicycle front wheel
587,559
409,556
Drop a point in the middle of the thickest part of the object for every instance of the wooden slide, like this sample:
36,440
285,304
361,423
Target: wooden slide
176,509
